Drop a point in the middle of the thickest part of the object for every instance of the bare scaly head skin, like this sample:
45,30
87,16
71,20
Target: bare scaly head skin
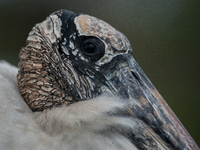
73,57
39,80
116,43
47,77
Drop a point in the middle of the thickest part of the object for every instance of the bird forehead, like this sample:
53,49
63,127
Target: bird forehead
116,43
88,25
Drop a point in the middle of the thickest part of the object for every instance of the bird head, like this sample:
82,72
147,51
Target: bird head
71,57
75,57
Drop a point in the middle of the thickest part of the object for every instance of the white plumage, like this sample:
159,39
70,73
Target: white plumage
72,127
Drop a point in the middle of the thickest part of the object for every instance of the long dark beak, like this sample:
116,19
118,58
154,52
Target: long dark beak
127,81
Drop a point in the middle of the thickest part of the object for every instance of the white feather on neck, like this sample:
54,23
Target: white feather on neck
74,127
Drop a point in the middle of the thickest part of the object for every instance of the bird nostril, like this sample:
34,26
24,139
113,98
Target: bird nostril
135,75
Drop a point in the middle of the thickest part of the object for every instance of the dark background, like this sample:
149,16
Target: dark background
165,37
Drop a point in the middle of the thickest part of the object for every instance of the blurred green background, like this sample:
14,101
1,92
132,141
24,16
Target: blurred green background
165,37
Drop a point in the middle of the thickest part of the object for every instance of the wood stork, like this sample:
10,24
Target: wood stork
79,87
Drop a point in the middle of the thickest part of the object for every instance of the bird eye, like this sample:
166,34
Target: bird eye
93,48
89,48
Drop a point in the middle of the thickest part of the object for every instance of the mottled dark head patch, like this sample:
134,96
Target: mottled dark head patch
65,59
116,43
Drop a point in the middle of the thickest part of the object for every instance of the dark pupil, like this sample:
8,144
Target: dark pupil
89,47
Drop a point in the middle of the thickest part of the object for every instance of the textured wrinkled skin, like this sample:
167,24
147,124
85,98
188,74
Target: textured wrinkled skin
56,72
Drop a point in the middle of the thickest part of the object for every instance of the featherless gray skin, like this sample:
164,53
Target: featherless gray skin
74,58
